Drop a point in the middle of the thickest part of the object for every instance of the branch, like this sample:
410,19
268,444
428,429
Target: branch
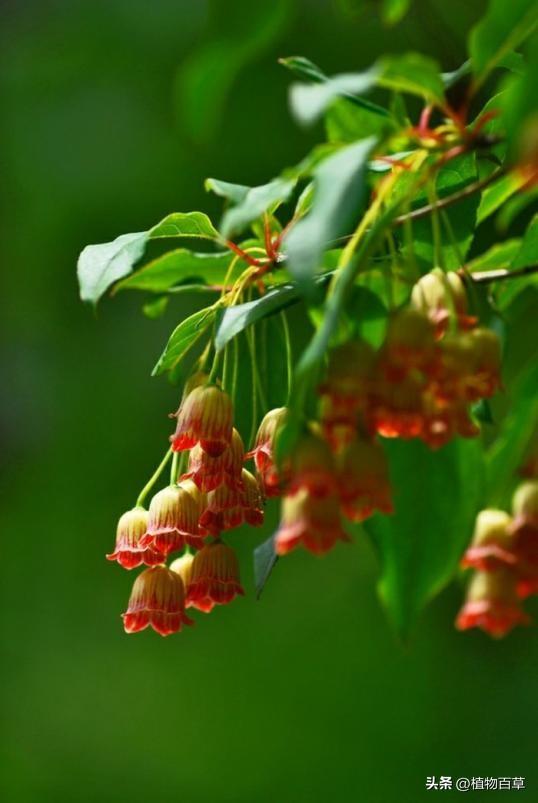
423,211
500,275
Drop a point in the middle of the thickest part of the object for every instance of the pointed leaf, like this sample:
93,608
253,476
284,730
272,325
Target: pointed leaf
233,320
176,267
99,266
185,224
501,30
183,337
437,495
265,559
309,101
415,74
235,193
339,187
257,201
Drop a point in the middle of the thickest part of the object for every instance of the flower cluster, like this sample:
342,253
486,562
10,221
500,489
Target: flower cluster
214,494
504,557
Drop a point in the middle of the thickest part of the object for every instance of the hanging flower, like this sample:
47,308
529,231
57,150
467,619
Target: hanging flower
492,544
210,472
346,389
272,481
157,600
492,604
363,481
409,346
223,510
525,534
183,567
483,379
440,296
311,522
197,495
312,467
132,527
205,416
397,410
214,578
252,500
173,521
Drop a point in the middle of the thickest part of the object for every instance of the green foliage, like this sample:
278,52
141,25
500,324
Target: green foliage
342,236
436,497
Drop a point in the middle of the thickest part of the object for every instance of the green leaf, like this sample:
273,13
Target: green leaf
498,256
185,224
507,453
437,495
413,73
346,122
99,266
257,201
394,10
176,267
235,193
339,188
309,101
233,320
501,30
265,559
183,337
452,78
528,253
498,193
303,68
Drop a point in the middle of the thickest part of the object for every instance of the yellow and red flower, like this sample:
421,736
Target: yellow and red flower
128,552
492,544
363,481
312,467
442,296
252,500
397,410
223,510
173,521
484,378
157,600
272,481
210,472
183,567
205,416
492,604
312,522
409,347
214,577
524,530
345,391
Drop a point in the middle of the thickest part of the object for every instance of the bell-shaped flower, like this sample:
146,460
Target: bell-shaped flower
223,510
525,533
205,416
173,521
131,529
210,472
312,522
492,604
252,500
214,578
272,481
363,480
492,545
157,600
441,296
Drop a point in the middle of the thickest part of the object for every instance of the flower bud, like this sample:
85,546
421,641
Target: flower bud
214,577
363,481
492,544
439,296
309,521
173,521
205,417
132,528
492,604
210,472
157,600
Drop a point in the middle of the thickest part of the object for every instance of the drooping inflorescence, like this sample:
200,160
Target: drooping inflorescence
433,364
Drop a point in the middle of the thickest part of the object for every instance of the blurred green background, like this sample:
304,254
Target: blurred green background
114,112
